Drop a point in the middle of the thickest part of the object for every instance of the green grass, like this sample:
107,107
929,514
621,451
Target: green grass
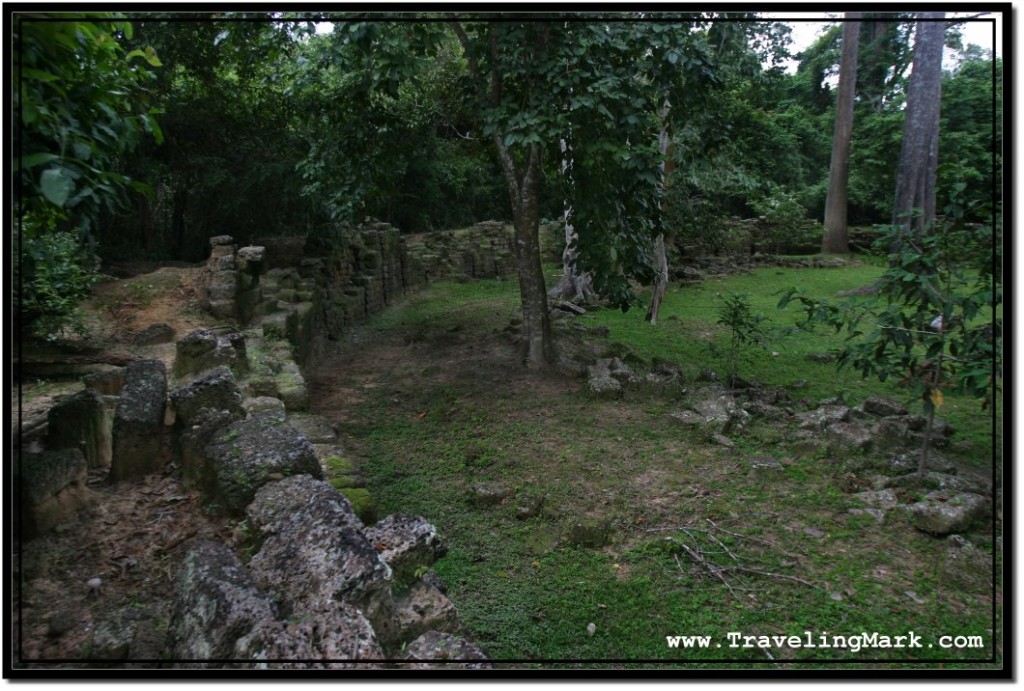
432,426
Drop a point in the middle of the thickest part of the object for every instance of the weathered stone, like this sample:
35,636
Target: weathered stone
107,383
249,453
221,240
530,506
406,543
883,407
721,414
201,350
137,447
315,428
154,334
435,645
51,486
251,259
609,375
218,610
956,483
765,410
191,349
687,418
82,421
847,436
823,416
263,404
197,469
314,551
592,533
291,387
908,462
489,493
215,389
945,511
333,635
893,433
424,608
966,567
722,440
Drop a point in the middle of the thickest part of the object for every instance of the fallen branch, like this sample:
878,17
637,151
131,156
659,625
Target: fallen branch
706,566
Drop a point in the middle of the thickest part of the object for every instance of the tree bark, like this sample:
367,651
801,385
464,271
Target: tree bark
666,149
573,285
538,346
837,239
919,155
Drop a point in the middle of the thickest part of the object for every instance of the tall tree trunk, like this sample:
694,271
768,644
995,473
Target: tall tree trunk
837,239
661,256
524,193
573,285
919,156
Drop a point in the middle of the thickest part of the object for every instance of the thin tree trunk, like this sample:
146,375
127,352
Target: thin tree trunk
837,239
661,257
573,285
915,182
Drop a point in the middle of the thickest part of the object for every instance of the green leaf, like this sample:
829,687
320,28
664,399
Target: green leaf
55,185
33,160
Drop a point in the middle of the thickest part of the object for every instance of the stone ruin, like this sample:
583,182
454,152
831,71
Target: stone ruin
328,586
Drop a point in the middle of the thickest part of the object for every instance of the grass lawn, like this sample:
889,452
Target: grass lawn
438,405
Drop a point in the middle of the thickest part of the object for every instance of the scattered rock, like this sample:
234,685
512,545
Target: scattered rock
823,416
722,440
908,462
530,507
687,418
883,407
956,483
489,494
846,436
435,645
945,511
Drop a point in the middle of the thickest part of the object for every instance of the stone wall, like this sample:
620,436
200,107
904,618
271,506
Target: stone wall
308,290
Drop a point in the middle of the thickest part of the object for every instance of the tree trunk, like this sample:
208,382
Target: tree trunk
538,346
837,239
661,285
915,182
666,148
573,285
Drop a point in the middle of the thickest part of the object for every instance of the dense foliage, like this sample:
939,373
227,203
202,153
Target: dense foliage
150,136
